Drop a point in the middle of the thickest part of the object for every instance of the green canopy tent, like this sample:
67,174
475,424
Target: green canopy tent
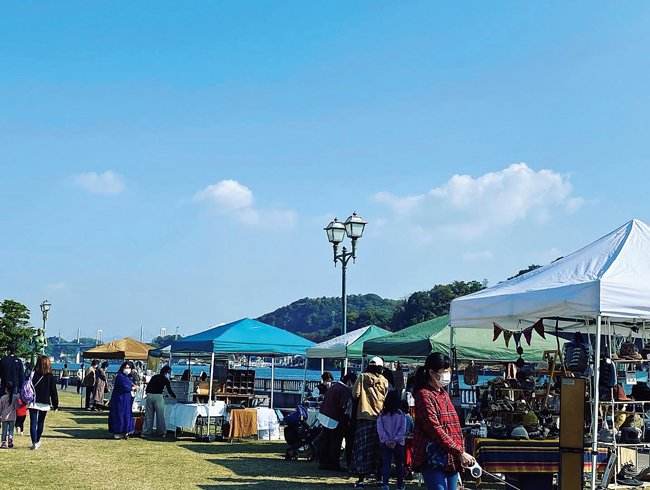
420,340
347,346
411,343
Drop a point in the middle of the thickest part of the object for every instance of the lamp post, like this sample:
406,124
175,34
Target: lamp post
45,307
336,232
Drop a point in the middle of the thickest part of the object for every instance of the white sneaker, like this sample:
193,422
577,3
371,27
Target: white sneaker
38,444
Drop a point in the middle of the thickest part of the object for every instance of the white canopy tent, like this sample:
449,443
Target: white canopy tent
608,279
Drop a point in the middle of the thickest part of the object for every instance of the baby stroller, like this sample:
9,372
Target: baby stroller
300,436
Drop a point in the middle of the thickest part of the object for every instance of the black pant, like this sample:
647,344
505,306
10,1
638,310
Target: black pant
20,422
349,444
331,446
89,395
78,386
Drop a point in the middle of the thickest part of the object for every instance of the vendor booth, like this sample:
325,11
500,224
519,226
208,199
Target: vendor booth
247,337
126,349
603,292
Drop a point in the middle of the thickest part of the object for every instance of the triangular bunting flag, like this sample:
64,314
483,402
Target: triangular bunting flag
528,334
507,335
539,328
497,331
517,336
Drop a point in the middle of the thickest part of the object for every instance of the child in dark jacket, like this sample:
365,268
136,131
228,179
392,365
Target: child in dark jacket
391,425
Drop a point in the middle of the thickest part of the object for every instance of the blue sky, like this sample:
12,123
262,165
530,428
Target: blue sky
168,164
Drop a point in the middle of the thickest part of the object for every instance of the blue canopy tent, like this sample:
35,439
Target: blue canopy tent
244,336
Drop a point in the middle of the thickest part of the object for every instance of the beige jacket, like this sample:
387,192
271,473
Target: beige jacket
370,389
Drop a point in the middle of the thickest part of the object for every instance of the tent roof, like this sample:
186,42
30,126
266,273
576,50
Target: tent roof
608,277
413,342
126,348
244,336
346,346
420,340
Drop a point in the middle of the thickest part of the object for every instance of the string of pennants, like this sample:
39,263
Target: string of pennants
538,327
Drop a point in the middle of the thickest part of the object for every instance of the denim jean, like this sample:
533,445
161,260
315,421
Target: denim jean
7,428
388,454
36,423
64,383
439,479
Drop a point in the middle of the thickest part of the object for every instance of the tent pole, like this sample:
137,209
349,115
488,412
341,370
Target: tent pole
272,379
322,366
304,381
210,392
345,366
594,396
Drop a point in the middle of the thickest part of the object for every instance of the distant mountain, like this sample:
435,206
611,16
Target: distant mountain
320,318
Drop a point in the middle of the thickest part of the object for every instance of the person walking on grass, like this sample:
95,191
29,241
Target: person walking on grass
11,370
370,390
438,448
65,377
155,404
46,395
120,414
80,377
101,385
89,382
333,420
21,415
8,406
391,426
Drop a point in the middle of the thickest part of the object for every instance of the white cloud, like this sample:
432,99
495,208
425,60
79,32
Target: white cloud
467,208
106,183
226,196
57,286
477,256
231,198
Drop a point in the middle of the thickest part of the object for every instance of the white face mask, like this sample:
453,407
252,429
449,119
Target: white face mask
445,379
127,371
167,375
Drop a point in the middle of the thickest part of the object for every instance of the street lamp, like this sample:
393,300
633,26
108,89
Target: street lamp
45,307
336,232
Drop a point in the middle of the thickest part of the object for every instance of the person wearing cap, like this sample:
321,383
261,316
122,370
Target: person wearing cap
11,370
437,435
370,390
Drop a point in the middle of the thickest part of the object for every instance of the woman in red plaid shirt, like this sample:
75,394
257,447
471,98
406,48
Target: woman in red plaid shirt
436,424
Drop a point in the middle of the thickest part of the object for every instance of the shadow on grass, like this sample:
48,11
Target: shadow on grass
253,463
253,483
99,433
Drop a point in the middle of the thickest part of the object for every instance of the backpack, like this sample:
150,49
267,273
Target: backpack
27,391
89,380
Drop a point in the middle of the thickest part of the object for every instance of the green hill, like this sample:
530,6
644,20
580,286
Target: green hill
319,319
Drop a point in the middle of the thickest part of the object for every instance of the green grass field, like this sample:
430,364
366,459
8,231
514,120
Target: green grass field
77,452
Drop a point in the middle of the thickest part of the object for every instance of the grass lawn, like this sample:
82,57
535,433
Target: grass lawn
79,453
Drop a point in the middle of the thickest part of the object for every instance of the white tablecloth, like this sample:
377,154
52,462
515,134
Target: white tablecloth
268,424
185,414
